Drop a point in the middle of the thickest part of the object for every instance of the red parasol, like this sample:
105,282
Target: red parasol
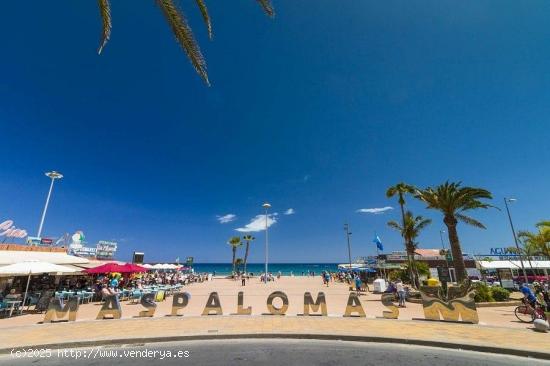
115,267
130,267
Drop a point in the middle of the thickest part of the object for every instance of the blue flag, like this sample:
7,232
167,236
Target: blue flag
378,243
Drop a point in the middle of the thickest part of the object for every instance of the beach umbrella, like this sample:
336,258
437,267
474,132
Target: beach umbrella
33,267
114,267
133,268
147,265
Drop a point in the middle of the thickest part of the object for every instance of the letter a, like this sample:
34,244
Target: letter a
213,305
354,306
111,306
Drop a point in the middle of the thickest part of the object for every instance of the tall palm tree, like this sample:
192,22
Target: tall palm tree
248,238
452,199
401,189
539,241
410,231
235,242
181,29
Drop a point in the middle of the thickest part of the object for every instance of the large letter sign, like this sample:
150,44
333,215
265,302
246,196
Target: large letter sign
275,310
179,301
213,305
315,305
387,301
57,311
459,303
110,307
354,306
148,302
241,310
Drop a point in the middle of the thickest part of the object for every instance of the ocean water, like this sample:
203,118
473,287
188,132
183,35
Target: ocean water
256,268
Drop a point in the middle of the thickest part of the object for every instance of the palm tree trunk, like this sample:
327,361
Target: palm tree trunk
415,281
234,248
456,250
246,255
411,272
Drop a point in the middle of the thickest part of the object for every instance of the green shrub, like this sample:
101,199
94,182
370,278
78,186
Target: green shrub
483,293
500,294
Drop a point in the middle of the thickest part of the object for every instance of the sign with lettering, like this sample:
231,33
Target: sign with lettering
8,230
106,249
457,305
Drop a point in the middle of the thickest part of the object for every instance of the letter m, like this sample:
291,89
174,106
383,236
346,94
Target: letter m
57,311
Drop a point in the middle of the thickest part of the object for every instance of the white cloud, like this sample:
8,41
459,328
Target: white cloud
226,218
258,224
290,211
376,210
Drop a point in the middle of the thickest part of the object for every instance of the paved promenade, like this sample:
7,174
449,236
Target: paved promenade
465,336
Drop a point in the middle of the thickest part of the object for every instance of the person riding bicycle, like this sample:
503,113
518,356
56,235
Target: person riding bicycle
542,294
528,295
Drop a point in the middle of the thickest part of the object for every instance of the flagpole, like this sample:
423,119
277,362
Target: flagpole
378,260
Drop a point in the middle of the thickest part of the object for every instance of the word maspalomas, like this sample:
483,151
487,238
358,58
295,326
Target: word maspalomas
458,305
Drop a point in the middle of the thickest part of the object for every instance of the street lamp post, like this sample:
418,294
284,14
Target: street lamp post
53,175
506,201
266,206
346,227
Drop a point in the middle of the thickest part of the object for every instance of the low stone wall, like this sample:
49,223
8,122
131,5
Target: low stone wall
480,304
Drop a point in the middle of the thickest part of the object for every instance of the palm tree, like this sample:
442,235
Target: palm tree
181,29
410,231
248,238
401,189
235,242
238,263
452,199
539,242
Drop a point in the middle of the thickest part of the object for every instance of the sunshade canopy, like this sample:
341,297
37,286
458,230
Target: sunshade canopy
34,267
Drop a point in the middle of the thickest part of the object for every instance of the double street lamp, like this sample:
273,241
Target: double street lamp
506,201
346,228
53,175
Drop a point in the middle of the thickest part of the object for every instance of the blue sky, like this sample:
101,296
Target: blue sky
319,110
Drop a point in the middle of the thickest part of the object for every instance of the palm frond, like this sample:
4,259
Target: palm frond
267,6
470,221
205,16
105,11
184,36
395,225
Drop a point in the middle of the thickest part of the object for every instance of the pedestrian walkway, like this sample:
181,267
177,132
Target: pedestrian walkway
467,336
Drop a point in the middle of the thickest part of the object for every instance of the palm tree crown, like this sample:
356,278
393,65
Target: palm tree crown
400,189
412,228
235,242
180,27
539,242
452,199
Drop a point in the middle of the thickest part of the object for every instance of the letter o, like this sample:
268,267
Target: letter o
275,310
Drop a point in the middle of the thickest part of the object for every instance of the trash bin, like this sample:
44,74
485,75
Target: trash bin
379,285
433,282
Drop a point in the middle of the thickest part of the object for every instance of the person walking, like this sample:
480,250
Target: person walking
327,278
243,280
400,293
358,283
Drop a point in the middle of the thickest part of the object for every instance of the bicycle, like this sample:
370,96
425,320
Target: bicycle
527,314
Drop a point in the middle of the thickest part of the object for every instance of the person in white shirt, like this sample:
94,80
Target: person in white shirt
400,293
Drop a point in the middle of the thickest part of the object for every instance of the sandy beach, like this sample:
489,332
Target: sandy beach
256,293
